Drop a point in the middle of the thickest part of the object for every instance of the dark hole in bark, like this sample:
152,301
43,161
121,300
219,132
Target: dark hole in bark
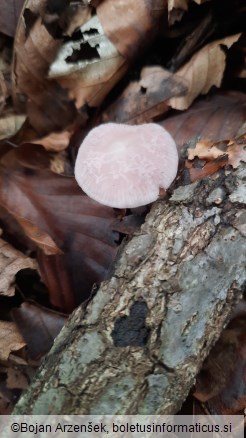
131,330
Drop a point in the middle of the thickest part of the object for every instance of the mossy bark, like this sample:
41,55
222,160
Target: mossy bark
140,342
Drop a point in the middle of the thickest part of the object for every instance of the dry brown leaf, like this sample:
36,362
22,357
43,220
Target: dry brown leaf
81,227
182,4
216,117
10,11
16,379
39,327
11,261
178,4
237,152
176,9
225,392
80,14
38,236
145,99
91,66
208,169
199,2
5,69
10,124
205,69
55,141
58,163
3,92
88,68
6,402
46,103
10,339
207,150
135,26
242,72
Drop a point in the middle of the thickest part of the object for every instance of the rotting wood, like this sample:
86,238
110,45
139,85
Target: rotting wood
140,343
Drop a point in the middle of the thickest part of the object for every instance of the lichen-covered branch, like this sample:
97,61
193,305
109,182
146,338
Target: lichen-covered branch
137,347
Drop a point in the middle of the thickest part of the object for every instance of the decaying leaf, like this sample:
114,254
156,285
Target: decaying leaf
16,379
145,99
205,69
225,392
10,124
38,236
89,67
79,226
76,15
215,118
35,324
136,24
6,403
11,262
10,11
46,103
207,150
176,9
55,141
237,151
182,4
216,155
5,70
208,169
178,4
10,340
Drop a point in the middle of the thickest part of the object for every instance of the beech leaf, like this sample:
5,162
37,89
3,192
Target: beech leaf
205,69
11,262
80,227
10,339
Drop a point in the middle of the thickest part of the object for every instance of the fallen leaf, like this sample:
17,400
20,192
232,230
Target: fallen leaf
88,68
79,226
176,9
10,124
76,15
177,4
143,100
237,151
5,71
38,236
46,103
16,379
6,404
91,66
215,118
205,69
221,383
38,326
56,141
205,150
11,262
208,169
136,25
10,12
233,149
10,339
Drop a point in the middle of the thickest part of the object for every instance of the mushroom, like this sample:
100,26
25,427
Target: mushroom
125,166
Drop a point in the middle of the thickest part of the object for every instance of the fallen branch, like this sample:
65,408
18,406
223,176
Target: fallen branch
139,344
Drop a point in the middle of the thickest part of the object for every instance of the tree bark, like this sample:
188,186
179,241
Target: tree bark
140,342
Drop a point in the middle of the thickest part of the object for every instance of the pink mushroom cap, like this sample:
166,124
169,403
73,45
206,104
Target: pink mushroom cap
124,166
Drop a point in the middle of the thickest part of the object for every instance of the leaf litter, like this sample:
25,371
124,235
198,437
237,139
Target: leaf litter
75,66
